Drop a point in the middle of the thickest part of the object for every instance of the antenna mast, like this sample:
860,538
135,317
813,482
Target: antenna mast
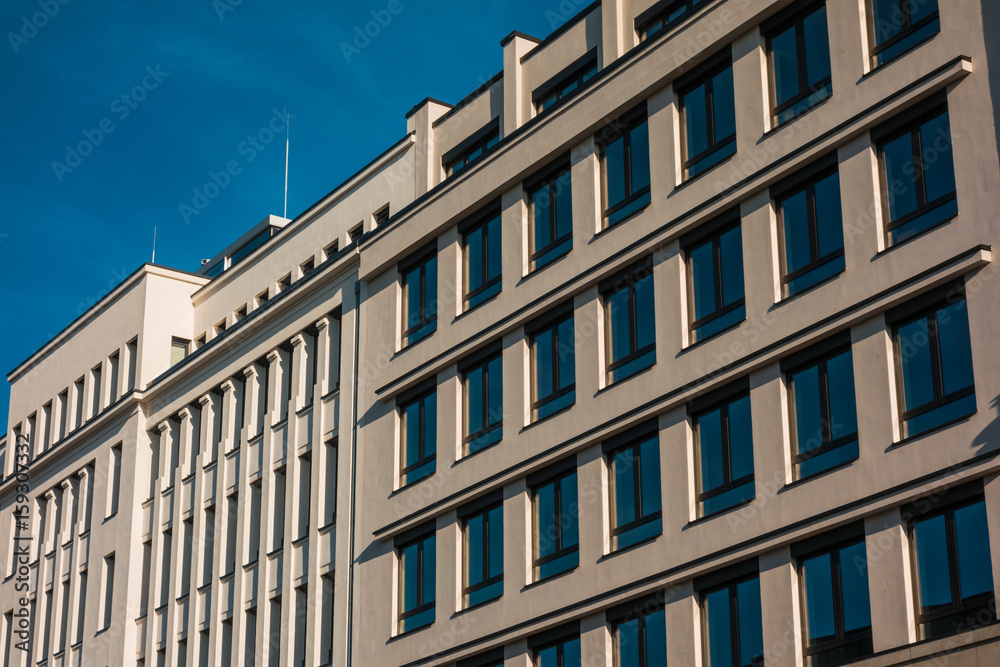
154,245
287,133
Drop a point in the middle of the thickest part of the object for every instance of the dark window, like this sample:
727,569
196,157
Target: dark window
835,603
625,157
553,355
631,325
356,232
824,413
419,437
483,382
715,266
901,25
952,567
472,149
635,479
812,231
566,82
663,15
724,443
557,652
551,204
481,243
732,623
483,532
419,298
381,216
557,524
417,563
918,175
251,245
799,54
640,635
708,117
494,658
934,361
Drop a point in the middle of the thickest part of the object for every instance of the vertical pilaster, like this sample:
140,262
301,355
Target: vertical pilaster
780,609
889,582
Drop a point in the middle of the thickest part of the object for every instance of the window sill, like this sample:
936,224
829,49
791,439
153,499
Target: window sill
546,418
792,297
778,128
693,179
481,605
611,385
823,473
921,234
410,485
606,227
719,513
468,455
937,429
535,271
102,631
409,633
409,346
631,547
472,309
720,332
539,582
881,66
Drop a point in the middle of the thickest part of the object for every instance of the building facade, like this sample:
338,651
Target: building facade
670,344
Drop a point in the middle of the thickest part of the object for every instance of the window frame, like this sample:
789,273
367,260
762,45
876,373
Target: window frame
720,400
704,75
554,89
906,31
655,21
484,139
482,508
550,323
626,281
795,22
481,360
419,537
418,395
637,610
556,637
427,323
633,440
730,578
551,182
622,129
490,287
553,476
712,232
910,123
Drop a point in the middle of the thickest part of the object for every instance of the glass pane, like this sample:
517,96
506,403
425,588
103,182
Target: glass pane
619,319
408,569
571,653
887,19
567,354
569,512
627,642
817,42
494,244
411,286
951,411
639,136
703,280
724,104
915,360
840,385
564,205
818,584
740,438
546,533
921,10
495,391
848,451
808,418
829,218
430,287
474,401
646,333
956,354
430,424
897,156
854,587
614,171
795,219
727,500
430,561
718,629
474,544
496,542
731,245
656,639
973,544
930,551
547,657
649,475
542,211
939,169
623,468
709,430
474,259
784,58
695,121
544,364
411,433
751,631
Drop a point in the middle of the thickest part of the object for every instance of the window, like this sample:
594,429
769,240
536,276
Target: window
472,149
220,328
630,321
305,495
47,426
355,232
482,379
114,367
326,621
251,245
278,514
481,246
482,528
639,630
132,351
331,250
284,283
553,356
494,658
550,202
381,216
419,277
833,573
556,515
62,406
178,350
918,174
418,435
934,362
109,589
715,286
724,446
951,562
900,25
732,624
417,564
330,484
78,387
96,395
557,648
624,147
708,116
114,484
239,313
824,411
566,82
799,56
812,229
663,15
636,513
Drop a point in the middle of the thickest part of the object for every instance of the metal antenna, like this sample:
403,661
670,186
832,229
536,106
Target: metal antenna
154,245
287,133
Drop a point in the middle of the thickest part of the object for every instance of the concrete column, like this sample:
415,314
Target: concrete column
81,516
874,387
252,396
514,240
277,361
51,530
66,529
663,142
299,359
186,448
592,494
449,566
613,26
588,327
420,123
518,543
779,592
889,585
683,626
227,414
861,203
323,351
516,100
849,60
595,641
753,108
760,261
992,493
451,276
516,654
588,209
676,470
769,422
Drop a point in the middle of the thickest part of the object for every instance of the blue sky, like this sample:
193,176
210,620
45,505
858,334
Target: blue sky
115,113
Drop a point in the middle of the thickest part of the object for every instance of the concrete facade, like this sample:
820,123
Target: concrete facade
247,504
